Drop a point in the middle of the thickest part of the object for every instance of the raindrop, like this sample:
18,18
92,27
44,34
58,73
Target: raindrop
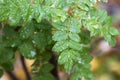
80,61
33,41
33,53
13,45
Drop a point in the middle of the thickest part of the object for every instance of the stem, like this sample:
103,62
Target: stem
54,62
25,68
11,75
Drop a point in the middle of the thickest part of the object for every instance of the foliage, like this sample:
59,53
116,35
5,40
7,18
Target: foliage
33,27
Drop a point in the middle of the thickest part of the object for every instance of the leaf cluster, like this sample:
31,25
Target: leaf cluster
35,27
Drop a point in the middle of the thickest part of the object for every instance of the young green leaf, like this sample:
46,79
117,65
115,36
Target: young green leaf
66,58
60,46
60,36
74,37
75,45
113,31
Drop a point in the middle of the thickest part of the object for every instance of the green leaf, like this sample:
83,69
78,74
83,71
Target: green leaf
74,37
28,13
12,42
11,37
75,45
60,46
113,31
39,13
39,39
14,17
60,36
6,54
50,2
61,14
105,1
68,66
111,40
64,57
83,6
59,26
9,32
83,15
27,50
68,57
0,39
45,56
84,58
27,31
8,66
102,15
1,72
74,29
87,74
46,68
43,25
76,76
46,76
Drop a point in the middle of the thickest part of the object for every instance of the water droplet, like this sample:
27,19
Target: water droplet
33,41
35,32
13,45
80,61
33,53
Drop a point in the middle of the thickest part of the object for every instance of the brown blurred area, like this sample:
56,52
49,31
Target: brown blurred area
18,71
117,2
106,62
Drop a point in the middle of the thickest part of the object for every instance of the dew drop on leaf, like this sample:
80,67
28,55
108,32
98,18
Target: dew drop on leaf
80,61
32,53
33,41
13,45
